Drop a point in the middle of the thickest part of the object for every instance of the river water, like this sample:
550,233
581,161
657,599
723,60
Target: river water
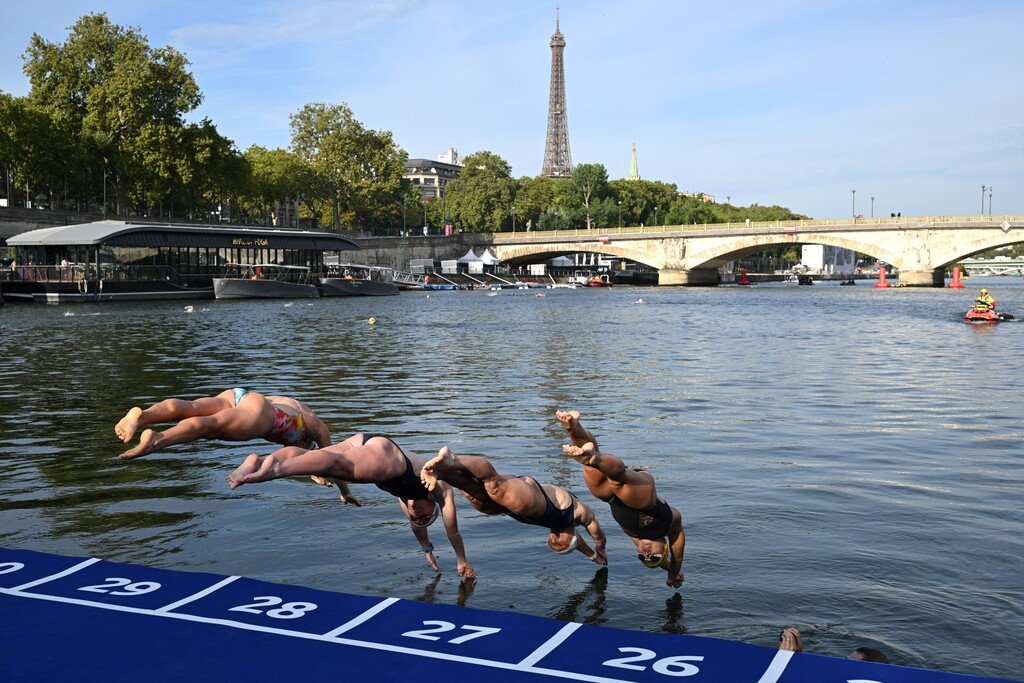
847,460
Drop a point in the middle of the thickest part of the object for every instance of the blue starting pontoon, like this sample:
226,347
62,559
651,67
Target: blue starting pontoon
64,619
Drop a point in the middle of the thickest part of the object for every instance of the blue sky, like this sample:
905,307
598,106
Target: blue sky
792,102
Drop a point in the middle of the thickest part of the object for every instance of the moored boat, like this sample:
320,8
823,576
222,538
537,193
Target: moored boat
351,279
265,281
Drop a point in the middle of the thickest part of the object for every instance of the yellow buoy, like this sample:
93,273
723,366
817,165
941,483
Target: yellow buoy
372,321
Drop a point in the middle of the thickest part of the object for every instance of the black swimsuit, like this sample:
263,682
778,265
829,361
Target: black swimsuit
407,485
553,517
651,524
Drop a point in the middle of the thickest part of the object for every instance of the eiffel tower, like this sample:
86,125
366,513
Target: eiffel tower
557,157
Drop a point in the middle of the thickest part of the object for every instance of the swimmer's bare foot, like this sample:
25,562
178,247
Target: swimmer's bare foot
248,466
148,442
585,454
444,459
125,429
570,419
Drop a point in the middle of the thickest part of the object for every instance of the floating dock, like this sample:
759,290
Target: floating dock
71,618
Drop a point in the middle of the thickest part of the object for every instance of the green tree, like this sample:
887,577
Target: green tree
33,148
276,175
640,197
589,184
481,198
534,196
689,211
123,100
357,172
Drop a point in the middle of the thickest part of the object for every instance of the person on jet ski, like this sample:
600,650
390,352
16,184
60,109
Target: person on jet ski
984,302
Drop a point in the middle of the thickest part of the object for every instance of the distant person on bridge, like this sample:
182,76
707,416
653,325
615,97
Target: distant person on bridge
232,415
984,302
369,459
654,527
524,499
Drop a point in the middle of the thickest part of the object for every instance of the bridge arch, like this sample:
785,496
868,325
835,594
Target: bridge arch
715,255
542,252
976,245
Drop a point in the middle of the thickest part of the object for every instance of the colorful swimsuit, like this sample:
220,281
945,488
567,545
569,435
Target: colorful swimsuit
288,429
552,517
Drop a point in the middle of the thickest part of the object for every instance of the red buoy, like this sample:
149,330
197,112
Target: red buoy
956,283
881,278
743,277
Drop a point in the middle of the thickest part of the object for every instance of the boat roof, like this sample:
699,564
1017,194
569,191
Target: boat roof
265,265
153,234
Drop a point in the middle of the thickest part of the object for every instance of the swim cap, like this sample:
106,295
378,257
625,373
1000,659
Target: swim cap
572,544
984,291
433,517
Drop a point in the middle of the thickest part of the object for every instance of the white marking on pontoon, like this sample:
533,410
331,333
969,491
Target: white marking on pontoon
778,665
552,642
352,623
201,594
58,575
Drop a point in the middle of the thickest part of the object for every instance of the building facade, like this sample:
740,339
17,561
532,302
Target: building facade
432,177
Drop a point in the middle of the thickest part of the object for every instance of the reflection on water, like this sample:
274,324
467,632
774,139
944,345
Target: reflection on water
831,449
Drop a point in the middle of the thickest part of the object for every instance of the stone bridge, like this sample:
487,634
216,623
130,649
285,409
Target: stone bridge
921,248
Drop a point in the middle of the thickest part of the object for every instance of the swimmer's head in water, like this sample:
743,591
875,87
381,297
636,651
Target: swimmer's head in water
563,541
423,512
651,556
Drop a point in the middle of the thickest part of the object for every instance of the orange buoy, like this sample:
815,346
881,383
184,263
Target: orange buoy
743,277
881,278
956,283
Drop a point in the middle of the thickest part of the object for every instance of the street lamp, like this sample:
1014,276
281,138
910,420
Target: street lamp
983,188
425,224
728,199
404,202
620,213
872,206
513,220
105,174
655,215
990,201
854,203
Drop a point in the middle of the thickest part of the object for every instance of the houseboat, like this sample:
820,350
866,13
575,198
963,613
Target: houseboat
118,260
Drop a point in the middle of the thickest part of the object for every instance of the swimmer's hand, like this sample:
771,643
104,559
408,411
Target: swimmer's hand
346,494
432,561
790,640
465,571
675,581
600,557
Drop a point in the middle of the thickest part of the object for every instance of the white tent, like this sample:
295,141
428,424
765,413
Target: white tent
561,262
488,258
469,257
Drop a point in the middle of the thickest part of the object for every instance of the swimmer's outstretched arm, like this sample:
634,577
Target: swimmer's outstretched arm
451,527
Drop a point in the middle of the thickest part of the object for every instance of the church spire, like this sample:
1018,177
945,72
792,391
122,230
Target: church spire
634,169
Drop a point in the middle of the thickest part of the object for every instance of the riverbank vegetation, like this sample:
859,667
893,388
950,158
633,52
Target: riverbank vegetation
105,127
